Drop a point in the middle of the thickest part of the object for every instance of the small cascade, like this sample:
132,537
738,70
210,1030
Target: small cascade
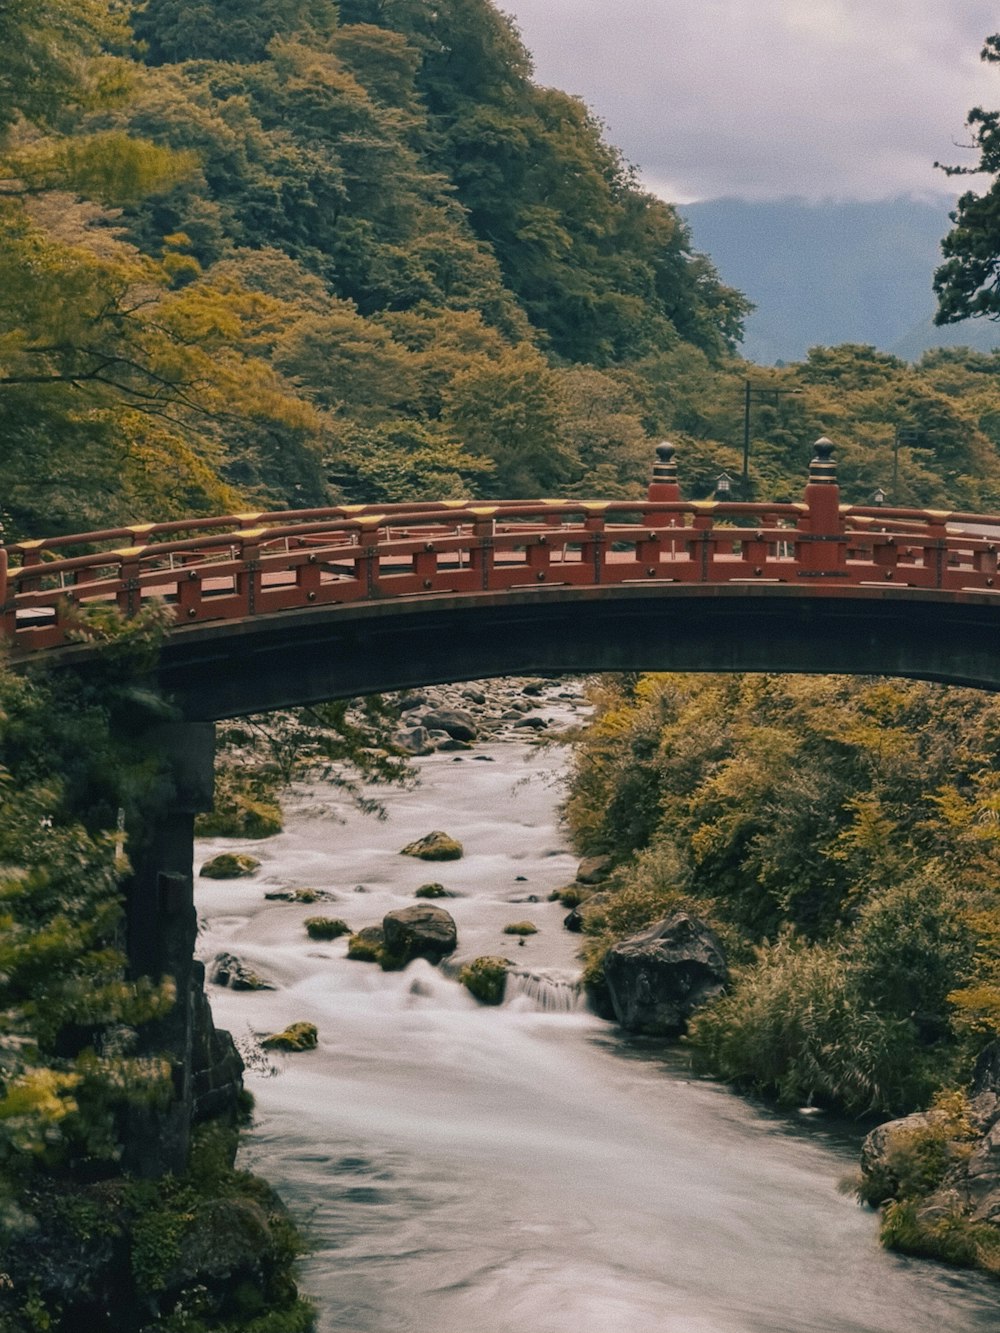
549,991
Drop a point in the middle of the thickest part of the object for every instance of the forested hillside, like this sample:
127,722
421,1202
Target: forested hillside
287,255
302,253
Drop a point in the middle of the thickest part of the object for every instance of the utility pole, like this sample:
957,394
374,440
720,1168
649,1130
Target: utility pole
762,393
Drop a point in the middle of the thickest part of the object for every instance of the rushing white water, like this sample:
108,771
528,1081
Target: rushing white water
464,1169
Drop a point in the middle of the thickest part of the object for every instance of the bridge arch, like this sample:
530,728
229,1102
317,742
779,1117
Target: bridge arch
304,657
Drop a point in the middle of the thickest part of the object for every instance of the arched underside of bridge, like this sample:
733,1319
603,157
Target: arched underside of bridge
307,656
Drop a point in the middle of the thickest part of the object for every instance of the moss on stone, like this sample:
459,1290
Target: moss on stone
229,865
326,927
486,978
241,817
521,928
304,895
431,891
367,945
296,1037
210,1250
436,846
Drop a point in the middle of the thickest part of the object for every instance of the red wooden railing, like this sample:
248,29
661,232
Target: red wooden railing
238,565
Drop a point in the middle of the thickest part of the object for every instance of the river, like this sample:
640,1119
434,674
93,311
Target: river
523,1169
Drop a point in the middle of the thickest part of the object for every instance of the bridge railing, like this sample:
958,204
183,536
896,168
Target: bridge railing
242,565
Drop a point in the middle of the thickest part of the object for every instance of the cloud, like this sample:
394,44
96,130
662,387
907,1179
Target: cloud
768,98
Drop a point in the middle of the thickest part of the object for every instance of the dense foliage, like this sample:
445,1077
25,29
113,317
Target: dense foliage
842,835
82,1242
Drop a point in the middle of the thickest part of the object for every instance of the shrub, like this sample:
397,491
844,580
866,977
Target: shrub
521,928
793,1027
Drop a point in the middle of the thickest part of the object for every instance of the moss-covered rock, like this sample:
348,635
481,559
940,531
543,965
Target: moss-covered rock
304,895
245,817
435,846
207,1250
229,865
367,945
326,927
486,978
296,1037
432,891
521,928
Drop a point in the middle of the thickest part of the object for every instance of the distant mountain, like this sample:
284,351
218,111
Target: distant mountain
833,272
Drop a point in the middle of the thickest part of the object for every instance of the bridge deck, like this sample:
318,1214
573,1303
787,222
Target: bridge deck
232,567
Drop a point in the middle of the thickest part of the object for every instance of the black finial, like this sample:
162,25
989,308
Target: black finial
665,467
823,467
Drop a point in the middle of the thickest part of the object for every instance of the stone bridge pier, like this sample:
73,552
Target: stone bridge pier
162,928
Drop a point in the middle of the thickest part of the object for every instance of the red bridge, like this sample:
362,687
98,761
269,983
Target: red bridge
281,608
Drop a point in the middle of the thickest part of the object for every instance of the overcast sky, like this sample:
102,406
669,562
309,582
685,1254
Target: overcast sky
767,98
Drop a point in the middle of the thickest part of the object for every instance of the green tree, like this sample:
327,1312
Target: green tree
968,282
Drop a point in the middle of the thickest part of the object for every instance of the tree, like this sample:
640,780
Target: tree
968,282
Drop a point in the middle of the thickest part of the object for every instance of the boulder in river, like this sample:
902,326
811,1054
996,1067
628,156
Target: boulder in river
326,927
435,846
431,891
365,946
658,978
520,928
303,895
414,740
421,931
459,724
295,1037
228,970
486,978
230,865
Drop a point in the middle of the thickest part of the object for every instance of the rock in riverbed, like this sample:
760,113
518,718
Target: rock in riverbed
436,846
658,978
422,931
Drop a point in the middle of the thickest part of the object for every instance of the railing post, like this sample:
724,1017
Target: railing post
128,578
248,579
664,487
481,550
821,549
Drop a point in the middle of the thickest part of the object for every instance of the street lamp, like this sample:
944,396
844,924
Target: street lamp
723,485
878,498
762,393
